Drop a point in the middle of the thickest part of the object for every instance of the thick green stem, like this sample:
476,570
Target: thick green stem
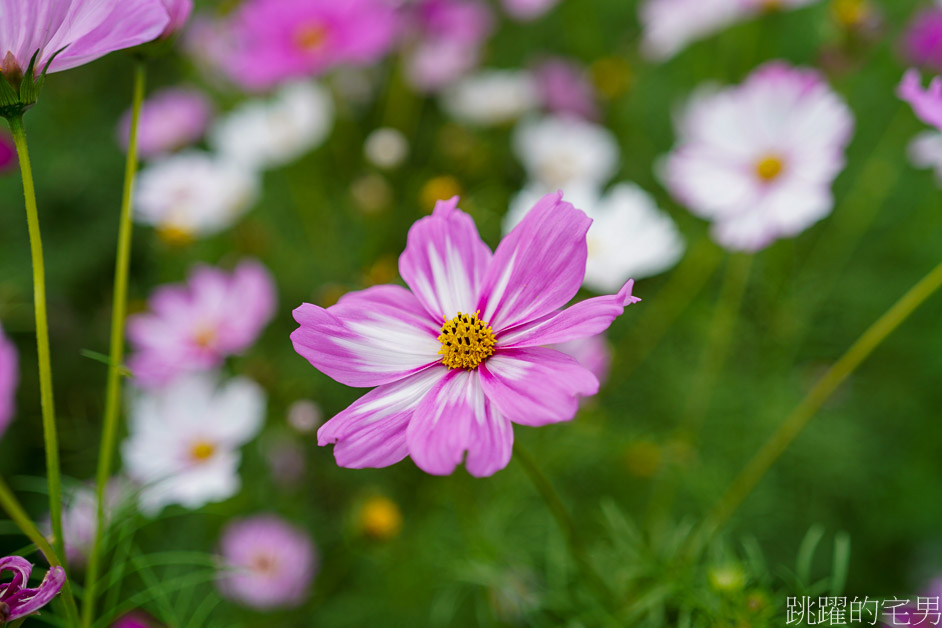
796,421
116,356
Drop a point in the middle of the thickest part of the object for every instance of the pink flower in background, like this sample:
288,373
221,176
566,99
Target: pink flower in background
594,353
758,159
194,326
170,119
668,26
16,599
461,355
922,41
179,12
449,36
267,563
135,620
528,9
565,88
9,375
80,518
276,40
7,153
83,30
926,104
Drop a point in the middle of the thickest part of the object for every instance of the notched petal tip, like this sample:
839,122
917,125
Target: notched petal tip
625,294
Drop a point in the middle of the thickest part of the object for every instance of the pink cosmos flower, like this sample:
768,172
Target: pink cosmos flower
83,30
193,327
7,153
179,12
16,599
170,119
922,41
276,40
9,375
565,89
528,9
759,158
926,104
461,355
449,36
268,563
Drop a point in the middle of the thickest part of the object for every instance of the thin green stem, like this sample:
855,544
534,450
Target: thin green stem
116,357
750,476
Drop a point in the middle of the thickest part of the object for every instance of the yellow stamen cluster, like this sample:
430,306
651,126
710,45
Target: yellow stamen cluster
466,341
769,168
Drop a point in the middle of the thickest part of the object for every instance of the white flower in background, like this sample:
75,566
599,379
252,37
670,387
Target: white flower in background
563,152
759,158
629,237
193,194
264,134
925,151
183,446
491,97
386,147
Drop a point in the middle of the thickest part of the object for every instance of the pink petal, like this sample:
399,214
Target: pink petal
371,337
444,261
372,431
538,267
536,386
456,417
586,318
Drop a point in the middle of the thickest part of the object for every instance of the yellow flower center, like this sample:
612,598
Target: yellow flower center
175,236
310,37
204,336
466,341
202,451
769,167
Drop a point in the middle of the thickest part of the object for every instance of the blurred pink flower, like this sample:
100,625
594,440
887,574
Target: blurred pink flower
447,389
528,9
271,41
80,518
593,352
926,104
179,11
16,600
565,88
135,620
922,41
193,327
172,118
9,375
7,153
449,36
83,30
267,562
759,158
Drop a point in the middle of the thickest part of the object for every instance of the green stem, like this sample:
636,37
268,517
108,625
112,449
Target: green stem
18,516
42,336
116,357
796,421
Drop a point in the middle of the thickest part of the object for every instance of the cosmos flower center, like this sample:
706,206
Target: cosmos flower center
769,167
202,451
204,336
264,564
175,236
310,37
466,341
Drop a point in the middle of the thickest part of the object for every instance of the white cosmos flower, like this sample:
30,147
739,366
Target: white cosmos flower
184,440
193,194
564,152
491,97
264,134
759,158
629,237
925,151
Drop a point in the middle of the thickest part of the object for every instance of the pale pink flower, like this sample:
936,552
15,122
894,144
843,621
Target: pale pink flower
170,119
195,326
9,375
80,517
80,31
462,354
565,88
926,104
267,563
528,9
7,153
179,12
16,599
759,158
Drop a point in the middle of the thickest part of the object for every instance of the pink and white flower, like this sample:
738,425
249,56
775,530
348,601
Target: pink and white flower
195,326
565,89
462,354
16,598
267,563
759,158
9,376
170,119
926,104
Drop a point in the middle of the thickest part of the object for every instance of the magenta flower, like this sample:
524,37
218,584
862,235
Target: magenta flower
179,12
926,104
135,620
83,30
528,9
170,119
565,89
9,375
922,41
193,327
268,563
462,354
276,40
16,599
7,153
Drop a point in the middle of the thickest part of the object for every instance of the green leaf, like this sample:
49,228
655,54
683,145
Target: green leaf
806,553
841,563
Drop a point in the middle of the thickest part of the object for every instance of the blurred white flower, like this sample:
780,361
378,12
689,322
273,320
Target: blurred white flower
491,97
565,152
183,446
629,237
264,134
193,194
925,151
386,147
